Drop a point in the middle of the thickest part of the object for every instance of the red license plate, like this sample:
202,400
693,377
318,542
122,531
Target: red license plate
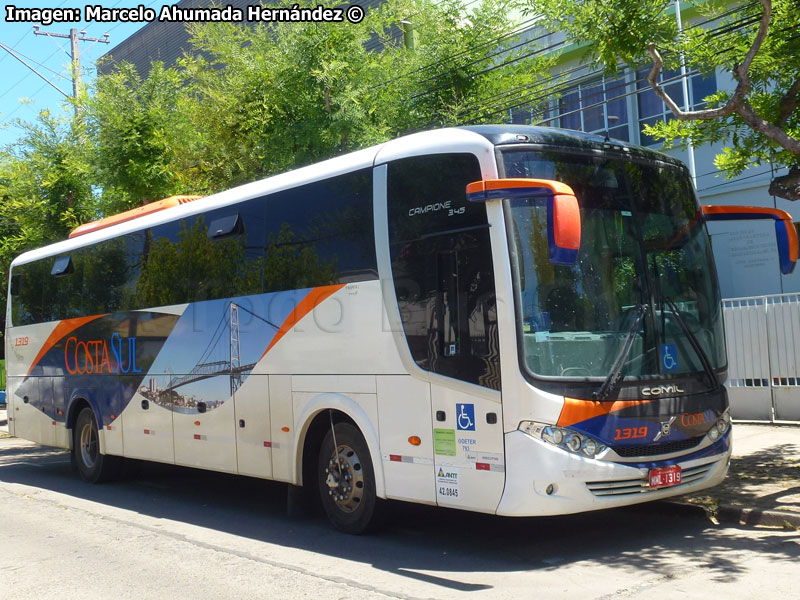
665,477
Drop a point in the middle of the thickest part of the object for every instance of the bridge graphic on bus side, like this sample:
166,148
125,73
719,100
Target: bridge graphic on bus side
232,364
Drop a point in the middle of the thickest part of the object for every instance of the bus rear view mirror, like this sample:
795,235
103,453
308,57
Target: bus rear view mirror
785,232
563,214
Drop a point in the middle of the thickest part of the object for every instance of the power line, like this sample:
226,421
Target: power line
23,78
552,48
12,53
53,71
733,181
14,46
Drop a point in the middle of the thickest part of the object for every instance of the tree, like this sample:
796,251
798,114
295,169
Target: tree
45,189
270,98
142,134
755,42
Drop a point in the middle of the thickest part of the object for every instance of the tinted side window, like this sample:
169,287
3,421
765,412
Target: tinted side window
442,267
181,263
110,270
27,301
320,233
317,234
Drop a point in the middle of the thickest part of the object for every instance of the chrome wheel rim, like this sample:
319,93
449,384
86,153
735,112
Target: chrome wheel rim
344,477
88,441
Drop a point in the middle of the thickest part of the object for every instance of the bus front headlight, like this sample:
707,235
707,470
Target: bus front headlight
567,439
720,426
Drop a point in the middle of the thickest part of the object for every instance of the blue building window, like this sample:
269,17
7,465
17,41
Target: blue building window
652,110
597,106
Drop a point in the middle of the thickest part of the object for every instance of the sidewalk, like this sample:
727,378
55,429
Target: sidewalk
763,484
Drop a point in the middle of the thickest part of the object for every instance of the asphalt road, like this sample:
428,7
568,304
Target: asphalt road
179,533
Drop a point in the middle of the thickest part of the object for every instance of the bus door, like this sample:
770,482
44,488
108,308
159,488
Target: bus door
442,271
468,432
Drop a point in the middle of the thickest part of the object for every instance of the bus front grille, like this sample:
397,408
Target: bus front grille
627,487
656,449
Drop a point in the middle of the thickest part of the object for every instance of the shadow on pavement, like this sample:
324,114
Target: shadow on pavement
767,480
438,542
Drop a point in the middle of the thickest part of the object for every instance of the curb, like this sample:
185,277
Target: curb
750,517
755,517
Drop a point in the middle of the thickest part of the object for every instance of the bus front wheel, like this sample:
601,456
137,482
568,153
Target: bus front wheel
92,466
346,480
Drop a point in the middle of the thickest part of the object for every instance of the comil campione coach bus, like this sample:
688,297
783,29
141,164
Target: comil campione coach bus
511,320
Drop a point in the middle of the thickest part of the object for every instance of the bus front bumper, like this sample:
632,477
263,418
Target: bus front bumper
542,479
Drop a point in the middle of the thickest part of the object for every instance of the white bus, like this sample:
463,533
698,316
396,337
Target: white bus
511,320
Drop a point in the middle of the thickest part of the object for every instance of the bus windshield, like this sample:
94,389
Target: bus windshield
644,275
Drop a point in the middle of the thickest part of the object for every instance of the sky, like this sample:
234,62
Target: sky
23,94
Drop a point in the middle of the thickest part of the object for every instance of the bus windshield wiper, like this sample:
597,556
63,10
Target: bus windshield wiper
694,342
615,376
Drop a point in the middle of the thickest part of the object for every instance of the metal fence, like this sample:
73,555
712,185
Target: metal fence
763,339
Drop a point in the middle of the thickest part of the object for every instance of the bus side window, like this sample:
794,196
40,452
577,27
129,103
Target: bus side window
442,267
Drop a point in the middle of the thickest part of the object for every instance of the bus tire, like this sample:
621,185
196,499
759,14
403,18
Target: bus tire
92,466
347,489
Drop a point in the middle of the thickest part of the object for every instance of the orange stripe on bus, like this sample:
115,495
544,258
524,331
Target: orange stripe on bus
576,411
313,299
63,329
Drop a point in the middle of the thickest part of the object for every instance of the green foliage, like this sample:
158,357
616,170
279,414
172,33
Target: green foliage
141,130
45,189
775,68
272,98
613,32
616,32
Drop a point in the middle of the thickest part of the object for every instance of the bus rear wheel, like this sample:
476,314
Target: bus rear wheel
346,480
92,466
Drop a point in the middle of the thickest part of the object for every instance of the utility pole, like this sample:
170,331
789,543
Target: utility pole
75,55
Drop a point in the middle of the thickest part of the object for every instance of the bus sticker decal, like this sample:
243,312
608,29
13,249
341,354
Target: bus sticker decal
444,442
314,298
577,411
447,483
465,421
63,329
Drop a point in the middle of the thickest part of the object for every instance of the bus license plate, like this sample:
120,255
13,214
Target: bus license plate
665,477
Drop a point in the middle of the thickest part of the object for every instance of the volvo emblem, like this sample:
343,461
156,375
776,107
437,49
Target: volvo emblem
666,428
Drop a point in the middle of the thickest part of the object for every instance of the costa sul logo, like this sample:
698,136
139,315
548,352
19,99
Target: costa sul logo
692,419
93,357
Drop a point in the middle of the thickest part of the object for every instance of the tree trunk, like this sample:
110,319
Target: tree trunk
787,186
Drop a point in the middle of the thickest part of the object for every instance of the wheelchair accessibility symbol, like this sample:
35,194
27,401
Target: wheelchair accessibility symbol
669,358
465,420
